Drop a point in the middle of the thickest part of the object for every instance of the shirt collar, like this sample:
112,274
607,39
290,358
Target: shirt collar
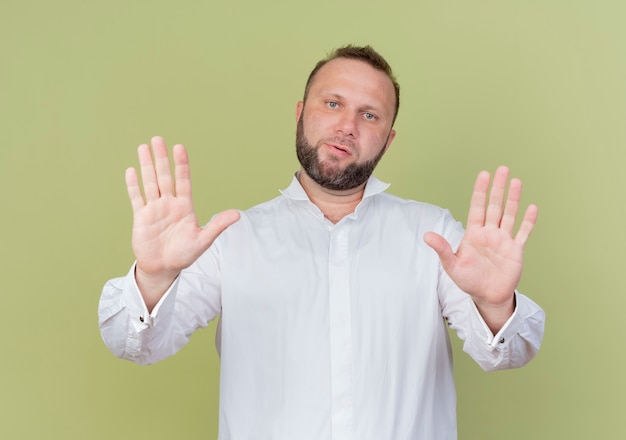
295,191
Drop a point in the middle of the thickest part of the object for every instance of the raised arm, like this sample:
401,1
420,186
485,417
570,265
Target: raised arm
166,236
488,262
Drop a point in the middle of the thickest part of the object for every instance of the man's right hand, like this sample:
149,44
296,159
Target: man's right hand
166,235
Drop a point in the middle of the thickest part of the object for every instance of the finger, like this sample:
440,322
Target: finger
527,225
148,176
442,247
182,172
134,192
162,165
512,205
217,225
476,215
496,197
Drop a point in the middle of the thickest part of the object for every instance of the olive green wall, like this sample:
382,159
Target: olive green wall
537,85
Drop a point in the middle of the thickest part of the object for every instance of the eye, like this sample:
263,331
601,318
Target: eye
332,104
369,116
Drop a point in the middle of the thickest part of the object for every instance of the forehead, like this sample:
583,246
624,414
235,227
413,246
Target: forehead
355,77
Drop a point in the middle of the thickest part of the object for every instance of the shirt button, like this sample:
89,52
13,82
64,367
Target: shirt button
501,341
141,318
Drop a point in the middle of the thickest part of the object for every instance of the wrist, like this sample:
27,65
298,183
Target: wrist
152,286
496,315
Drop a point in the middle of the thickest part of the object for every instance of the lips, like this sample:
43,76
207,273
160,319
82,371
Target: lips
340,148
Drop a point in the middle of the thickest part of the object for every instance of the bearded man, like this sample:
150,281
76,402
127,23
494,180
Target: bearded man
335,297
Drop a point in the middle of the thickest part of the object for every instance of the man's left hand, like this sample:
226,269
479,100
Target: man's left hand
488,263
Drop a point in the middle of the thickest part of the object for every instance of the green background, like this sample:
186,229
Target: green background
537,85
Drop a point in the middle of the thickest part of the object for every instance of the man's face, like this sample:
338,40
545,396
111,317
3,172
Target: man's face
344,128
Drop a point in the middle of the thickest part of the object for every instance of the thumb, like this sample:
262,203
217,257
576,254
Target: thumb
218,224
442,247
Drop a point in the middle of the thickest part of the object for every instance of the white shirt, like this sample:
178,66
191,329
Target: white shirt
327,331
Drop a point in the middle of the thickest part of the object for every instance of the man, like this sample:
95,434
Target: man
334,297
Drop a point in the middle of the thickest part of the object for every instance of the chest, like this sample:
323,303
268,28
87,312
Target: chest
368,269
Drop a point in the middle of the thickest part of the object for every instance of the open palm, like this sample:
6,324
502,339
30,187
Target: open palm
488,263
166,234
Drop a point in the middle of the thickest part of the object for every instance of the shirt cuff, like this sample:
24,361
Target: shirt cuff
141,318
508,330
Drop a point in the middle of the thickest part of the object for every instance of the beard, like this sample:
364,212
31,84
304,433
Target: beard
329,174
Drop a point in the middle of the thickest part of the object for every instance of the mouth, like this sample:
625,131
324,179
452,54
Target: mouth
339,149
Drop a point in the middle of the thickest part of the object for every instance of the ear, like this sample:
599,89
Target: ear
299,108
392,135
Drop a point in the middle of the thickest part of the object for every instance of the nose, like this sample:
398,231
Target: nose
347,124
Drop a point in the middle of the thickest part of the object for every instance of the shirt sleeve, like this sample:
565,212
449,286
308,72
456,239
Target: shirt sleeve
516,343
132,333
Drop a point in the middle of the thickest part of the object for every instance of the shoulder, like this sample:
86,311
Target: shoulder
267,209
266,213
393,204
417,216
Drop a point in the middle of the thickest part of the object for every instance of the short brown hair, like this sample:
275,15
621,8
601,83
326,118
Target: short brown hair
364,53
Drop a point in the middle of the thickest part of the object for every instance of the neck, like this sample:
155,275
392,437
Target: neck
335,205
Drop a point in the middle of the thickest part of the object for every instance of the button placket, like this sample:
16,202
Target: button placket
340,334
